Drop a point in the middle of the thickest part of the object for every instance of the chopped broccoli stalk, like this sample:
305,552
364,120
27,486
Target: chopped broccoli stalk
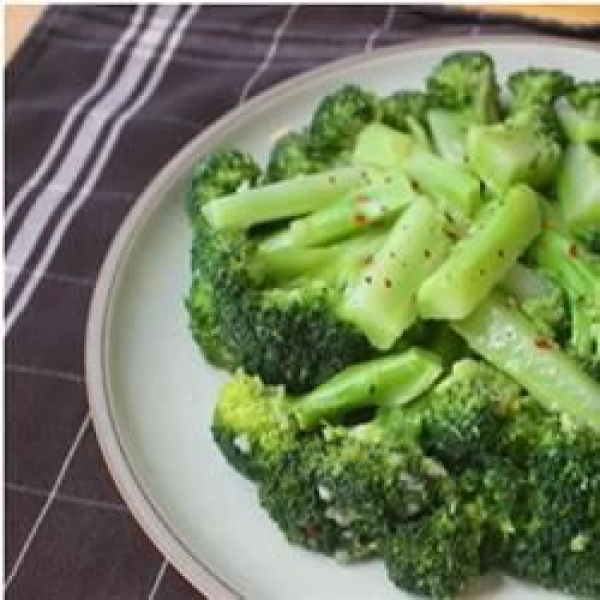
334,264
577,273
378,201
455,189
340,117
382,303
466,81
579,112
521,149
449,132
395,379
578,187
504,337
482,258
220,174
290,198
294,154
537,86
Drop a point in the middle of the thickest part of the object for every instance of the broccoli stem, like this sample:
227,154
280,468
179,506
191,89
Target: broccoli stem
504,337
454,189
289,198
395,379
449,132
382,303
370,204
481,259
578,186
328,263
504,155
578,126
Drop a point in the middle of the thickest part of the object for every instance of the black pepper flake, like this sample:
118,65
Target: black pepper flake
482,272
388,283
372,389
392,255
368,279
332,180
501,253
388,180
427,254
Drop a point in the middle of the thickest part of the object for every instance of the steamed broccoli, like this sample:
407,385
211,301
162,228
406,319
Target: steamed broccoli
221,173
295,154
466,81
341,116
579,112
537,86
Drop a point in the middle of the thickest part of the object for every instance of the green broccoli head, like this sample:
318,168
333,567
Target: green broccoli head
556,543
579,112
220,173
436,555
403,108
252,425
535,86
371,474
290,336
341,116
466,81
295,154
460,417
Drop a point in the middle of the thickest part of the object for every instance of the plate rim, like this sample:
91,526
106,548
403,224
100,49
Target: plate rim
144,510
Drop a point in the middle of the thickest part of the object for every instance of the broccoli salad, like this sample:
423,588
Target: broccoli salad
407,297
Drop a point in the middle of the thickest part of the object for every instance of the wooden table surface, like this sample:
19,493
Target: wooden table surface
19,19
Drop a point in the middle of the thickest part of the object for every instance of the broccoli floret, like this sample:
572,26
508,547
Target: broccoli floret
295,154
537,86
406,110
438,554
577,273
522,149
556,542
341,116
461,416
579,112
466,82
374,473
220,174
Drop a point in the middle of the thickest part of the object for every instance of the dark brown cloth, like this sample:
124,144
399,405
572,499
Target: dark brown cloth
98,99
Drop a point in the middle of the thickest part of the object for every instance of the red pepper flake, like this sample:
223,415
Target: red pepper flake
573,250
312,531
360,219
362,199
543,344
388,283
427,253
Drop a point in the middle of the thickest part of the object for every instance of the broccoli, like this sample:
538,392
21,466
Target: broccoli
556,542
436,555
524,148
579,112
466,82
253,422
577,273
295,154
219,174
402,107
341,116
537,86
482,258
460,416
502,335
578,188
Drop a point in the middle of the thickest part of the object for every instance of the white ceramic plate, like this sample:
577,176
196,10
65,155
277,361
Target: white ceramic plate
152,395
